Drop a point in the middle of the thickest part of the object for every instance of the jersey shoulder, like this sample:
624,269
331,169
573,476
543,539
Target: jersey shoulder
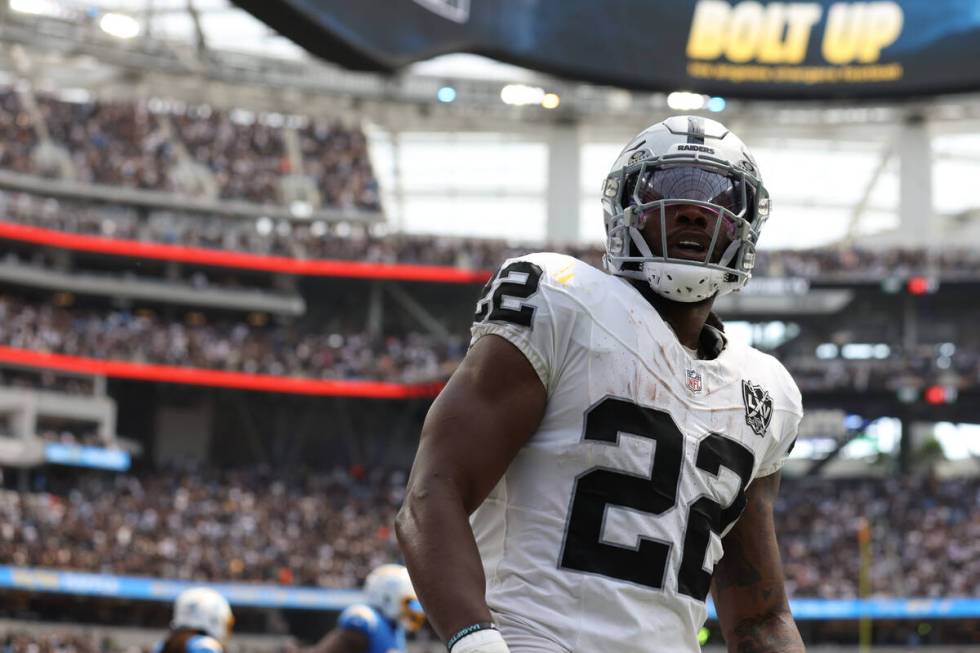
203,644
562,270
361,618
563,274
766,371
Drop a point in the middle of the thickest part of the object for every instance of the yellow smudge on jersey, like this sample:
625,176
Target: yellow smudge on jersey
565,274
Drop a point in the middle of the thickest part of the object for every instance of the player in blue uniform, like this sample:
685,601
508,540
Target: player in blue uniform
379,625
202,623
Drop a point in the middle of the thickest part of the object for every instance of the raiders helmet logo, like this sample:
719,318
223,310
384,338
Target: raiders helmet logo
636,157
758,407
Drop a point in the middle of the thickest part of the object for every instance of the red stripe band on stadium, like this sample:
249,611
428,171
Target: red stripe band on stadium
219,378
241,260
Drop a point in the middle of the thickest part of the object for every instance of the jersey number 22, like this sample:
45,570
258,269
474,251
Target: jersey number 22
600,487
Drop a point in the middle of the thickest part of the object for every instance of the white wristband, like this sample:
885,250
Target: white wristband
482,641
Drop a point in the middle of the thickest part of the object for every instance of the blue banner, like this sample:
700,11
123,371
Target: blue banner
313,598
155,589
80,456
898,608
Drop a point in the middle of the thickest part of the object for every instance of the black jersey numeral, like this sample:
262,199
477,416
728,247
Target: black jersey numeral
598,488
517,281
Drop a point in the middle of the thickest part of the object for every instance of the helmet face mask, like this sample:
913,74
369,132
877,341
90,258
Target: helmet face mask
661,176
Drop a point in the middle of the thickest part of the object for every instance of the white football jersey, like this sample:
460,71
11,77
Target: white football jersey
603,533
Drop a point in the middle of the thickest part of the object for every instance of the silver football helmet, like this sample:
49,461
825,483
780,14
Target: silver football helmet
694,161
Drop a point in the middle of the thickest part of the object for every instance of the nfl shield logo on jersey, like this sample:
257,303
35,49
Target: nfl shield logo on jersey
758,407
694,381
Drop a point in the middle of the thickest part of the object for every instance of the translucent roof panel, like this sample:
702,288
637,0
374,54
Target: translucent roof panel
816,188
955,171
225,26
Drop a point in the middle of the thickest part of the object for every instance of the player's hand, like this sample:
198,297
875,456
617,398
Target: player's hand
484,641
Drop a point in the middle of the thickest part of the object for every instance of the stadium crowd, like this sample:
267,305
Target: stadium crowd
225,345
320,240
155,145
294,350
324,530
46,380
65,640
329,529
17,137
924,534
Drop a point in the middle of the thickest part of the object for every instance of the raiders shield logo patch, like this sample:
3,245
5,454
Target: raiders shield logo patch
758,407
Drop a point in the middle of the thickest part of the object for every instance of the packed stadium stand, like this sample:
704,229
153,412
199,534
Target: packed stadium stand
221,327
330,529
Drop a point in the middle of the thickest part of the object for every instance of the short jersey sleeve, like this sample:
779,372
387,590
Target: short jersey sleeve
359,618
786,423
523,304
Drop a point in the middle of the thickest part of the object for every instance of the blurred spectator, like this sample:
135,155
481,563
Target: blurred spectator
246,156
248,525
17,137
225,345
330,529
319,240
139,144
47,380
293,350
337,157
925,536
112,143
61,641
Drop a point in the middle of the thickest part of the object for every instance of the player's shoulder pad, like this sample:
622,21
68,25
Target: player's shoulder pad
568,275
203,644
359,617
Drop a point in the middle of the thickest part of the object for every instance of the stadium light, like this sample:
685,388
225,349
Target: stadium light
550,101
446,94
826,351
520,95
717,104
935,395
300,209
119,25
684,101
922,285
37,7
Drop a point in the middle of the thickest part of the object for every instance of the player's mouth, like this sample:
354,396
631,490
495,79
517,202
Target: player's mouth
689,246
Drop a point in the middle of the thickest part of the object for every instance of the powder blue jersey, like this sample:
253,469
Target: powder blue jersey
196,644
383,635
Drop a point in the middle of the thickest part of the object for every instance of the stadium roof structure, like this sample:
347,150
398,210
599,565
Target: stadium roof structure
182,43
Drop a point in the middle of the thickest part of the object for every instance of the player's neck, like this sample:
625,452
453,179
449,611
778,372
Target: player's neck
686,319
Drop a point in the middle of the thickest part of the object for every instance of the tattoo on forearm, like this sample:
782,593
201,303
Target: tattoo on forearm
775,633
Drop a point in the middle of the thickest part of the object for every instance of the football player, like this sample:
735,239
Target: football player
202,623
604,456
380,624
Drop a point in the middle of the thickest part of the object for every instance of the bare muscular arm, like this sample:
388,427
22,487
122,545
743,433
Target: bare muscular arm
748,581
488,410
